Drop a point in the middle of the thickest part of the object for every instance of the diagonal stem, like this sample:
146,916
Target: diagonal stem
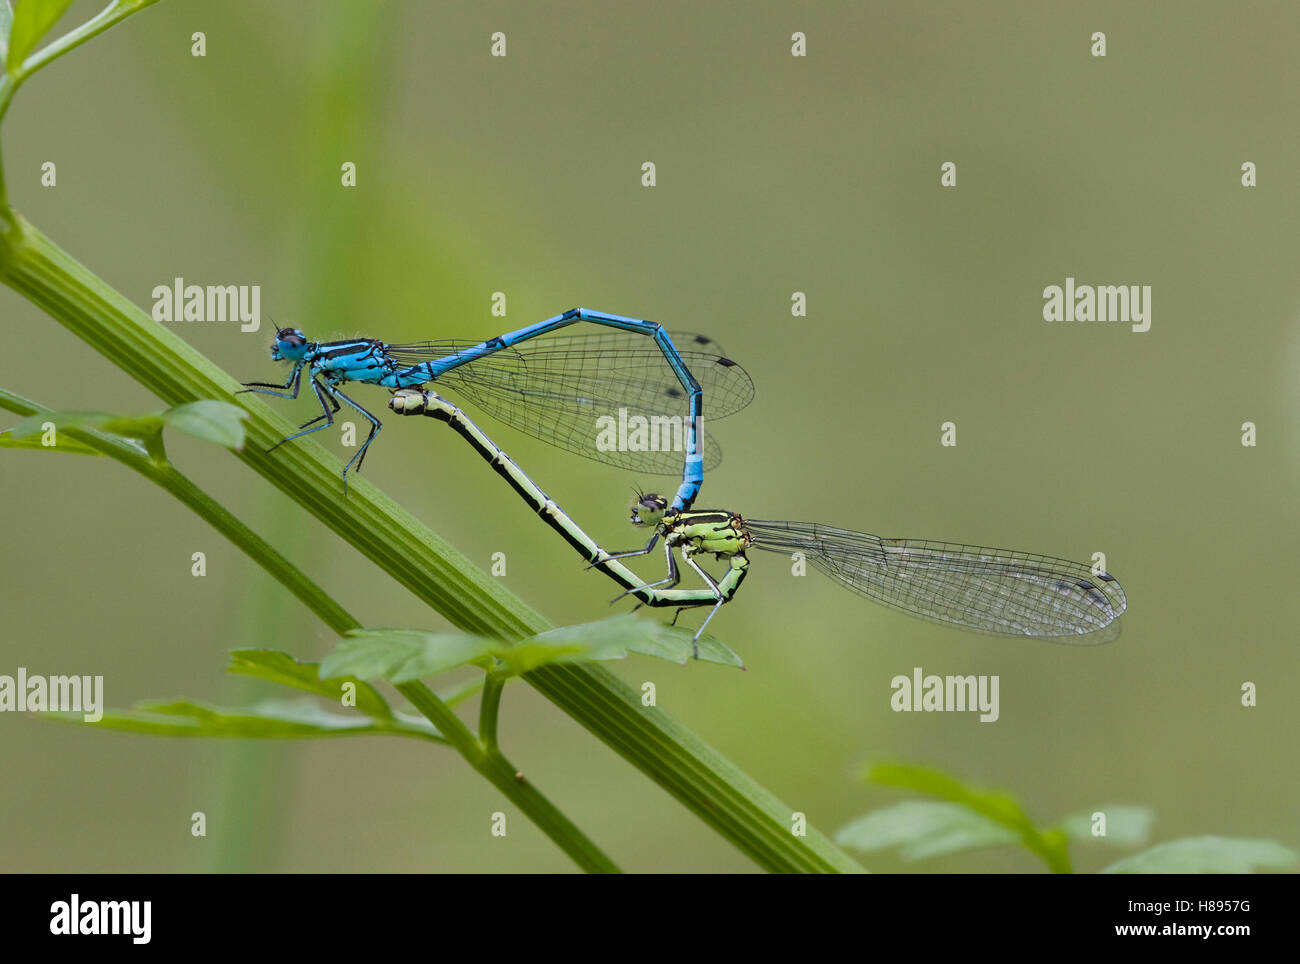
712,787
489,762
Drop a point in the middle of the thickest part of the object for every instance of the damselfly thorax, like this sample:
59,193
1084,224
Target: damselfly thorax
715,531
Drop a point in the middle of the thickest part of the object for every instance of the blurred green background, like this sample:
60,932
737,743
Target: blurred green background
775,174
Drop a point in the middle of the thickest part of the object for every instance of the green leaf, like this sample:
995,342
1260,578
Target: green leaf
137,427
282,668
32,21
63,443
924,828
208,419
270,719
997,805
144,429
616,637
1206,855
211,420
403,655
524,657
1127,825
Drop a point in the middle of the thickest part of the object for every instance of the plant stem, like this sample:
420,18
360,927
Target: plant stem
506,778
166,475
1053,847
489,709
12,79
712,787
115,12
488,762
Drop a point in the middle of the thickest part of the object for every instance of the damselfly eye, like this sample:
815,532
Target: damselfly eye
291,337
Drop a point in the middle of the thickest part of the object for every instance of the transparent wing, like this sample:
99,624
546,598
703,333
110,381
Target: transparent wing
987,590
608,396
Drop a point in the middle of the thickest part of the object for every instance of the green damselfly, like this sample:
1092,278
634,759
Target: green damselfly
995,591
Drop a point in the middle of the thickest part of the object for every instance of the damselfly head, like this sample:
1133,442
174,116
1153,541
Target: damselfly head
648,510
289,345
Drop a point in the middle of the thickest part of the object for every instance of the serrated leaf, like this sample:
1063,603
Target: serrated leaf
269,664
270,719
1127,825
32,21
533,653
1206,855
403,655
995,804
1000,807
63,443
616,637
960,839
210,420
924,828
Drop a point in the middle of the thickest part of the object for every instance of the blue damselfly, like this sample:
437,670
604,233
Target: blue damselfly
558,388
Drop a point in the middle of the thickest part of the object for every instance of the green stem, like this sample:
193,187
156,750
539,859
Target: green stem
7,88
13,76
497,769
489,710
712,787
166,475
115,12
1054,847
510,781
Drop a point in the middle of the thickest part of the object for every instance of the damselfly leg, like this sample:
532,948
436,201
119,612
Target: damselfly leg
649,547
375,426
322,396
722,598
268,388
294,383
672,579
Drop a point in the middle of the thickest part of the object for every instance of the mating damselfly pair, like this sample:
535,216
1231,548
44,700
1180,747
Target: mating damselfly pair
552,388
